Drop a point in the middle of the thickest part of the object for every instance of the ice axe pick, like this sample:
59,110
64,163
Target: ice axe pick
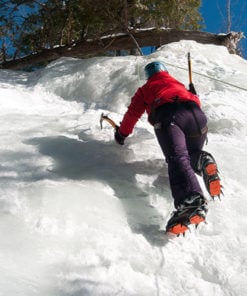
109,120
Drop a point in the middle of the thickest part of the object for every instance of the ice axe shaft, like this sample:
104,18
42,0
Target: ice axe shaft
191,85
189,66
109,120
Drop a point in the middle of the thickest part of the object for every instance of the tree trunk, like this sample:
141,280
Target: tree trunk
154,37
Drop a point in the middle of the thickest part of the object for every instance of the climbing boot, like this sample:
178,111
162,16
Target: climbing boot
192,210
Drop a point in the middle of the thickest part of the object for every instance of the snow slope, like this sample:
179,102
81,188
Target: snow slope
80,215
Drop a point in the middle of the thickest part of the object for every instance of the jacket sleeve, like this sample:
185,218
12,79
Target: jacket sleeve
134,112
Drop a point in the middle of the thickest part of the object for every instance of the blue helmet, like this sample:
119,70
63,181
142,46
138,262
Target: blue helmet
153,68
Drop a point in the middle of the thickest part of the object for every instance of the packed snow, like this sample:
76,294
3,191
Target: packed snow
81,215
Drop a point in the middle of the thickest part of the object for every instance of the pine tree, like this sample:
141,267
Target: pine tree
32,26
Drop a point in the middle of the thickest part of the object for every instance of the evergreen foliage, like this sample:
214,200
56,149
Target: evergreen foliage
28,27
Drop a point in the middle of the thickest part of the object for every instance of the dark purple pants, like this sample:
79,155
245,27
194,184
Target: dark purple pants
181,133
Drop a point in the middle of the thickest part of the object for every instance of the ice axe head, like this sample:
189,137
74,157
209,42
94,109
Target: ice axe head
109,120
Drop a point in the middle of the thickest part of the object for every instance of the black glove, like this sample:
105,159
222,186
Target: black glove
119,138
192,88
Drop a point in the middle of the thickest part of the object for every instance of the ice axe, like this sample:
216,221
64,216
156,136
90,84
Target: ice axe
109,120
191,85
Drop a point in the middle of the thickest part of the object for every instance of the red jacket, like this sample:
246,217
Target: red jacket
160,89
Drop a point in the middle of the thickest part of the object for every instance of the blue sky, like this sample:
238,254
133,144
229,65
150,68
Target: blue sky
214,14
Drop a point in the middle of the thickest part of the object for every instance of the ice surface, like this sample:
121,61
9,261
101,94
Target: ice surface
80,215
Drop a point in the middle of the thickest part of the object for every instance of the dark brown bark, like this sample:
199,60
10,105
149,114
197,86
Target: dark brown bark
154,37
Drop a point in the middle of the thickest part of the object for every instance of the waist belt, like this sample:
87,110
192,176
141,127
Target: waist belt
202,131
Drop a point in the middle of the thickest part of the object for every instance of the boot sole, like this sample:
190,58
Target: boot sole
211,169
180,228
214,185
215,188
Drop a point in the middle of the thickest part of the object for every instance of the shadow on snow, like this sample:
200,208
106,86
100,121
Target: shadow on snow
89,159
